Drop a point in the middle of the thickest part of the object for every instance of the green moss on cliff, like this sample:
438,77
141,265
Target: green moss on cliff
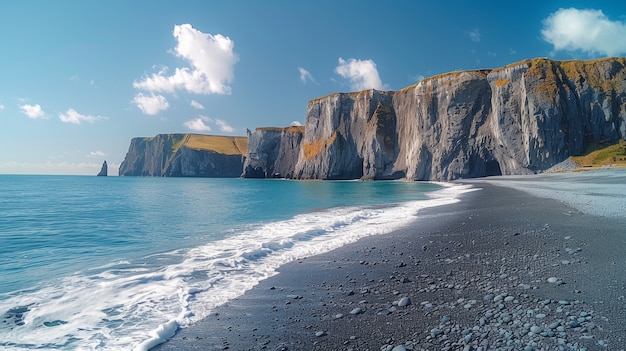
601,154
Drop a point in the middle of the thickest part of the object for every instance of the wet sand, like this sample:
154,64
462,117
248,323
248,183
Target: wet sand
501,270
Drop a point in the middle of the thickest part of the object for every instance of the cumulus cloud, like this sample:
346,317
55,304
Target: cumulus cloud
199,124
586,30
151,104
305,76
474,35
97,153
33,111
224,127
211,60
296,123
71,116
203,124
362,74
197,105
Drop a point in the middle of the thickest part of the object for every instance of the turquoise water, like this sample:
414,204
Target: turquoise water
122,262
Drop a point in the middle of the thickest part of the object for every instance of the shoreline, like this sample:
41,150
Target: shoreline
500,269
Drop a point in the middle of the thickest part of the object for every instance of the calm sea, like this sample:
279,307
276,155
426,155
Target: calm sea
120,263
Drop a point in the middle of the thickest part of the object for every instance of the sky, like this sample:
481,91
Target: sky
80,79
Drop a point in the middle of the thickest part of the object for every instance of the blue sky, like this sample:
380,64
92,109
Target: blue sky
79,79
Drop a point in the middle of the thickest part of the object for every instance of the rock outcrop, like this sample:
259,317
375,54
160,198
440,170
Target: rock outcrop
185,155
519,119
273,152
104,171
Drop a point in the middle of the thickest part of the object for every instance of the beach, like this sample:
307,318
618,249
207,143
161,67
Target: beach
500,270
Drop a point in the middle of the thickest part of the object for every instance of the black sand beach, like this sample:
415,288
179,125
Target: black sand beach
501,270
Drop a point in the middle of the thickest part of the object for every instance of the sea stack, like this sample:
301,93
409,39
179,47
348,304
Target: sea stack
103,170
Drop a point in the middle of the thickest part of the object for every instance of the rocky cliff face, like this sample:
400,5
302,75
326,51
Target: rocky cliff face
185,155
520,119
273,152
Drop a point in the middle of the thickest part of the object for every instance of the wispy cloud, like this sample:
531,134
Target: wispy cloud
197,105
151,104
305,76
474,35
1,107
416,78
199,124
71,116
33,111
362,74
224,127
211,60
97,153
588,30
87,168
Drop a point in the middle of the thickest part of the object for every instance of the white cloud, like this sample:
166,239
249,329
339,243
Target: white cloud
151,104
211,64
416,78
296,123
199,124
587,30
362,74
71,116
224,127
1,107
474,35
33,111
305,75
97,153
197,105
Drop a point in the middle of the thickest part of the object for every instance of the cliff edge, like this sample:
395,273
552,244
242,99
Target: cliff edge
185,155
520,119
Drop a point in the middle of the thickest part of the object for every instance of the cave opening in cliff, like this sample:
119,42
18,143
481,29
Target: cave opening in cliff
492,168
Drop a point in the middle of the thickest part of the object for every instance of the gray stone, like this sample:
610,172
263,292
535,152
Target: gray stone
405,301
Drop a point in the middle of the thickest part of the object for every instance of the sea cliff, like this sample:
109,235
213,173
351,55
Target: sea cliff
185,155
519,119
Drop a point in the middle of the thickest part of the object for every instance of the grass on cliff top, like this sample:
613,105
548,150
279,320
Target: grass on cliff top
226,145
601,154
291,129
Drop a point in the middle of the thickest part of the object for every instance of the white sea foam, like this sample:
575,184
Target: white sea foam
140,305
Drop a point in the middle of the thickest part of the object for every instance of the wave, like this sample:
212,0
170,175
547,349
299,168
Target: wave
138,305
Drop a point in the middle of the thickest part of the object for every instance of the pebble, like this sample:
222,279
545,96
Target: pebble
320,333
357,310
405,301
553,280
535,329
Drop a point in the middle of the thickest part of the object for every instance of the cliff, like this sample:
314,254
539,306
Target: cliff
185,155
519,119
273,152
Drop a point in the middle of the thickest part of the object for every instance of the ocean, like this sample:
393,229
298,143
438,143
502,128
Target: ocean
120,263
